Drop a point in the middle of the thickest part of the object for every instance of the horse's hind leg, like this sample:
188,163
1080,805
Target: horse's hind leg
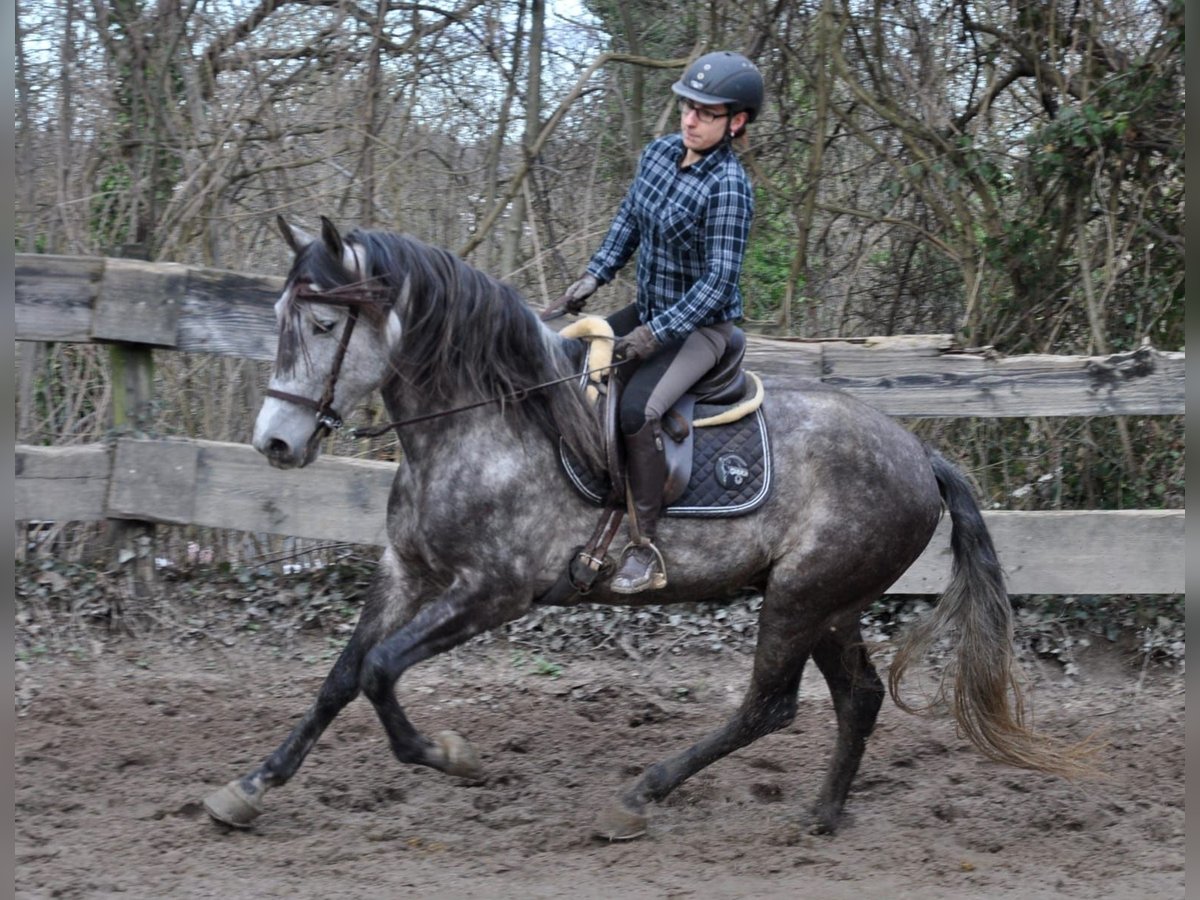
857,693
785,638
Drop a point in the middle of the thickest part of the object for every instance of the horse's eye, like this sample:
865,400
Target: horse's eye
322,326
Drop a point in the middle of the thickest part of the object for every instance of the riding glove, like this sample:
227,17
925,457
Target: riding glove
576,295
638,344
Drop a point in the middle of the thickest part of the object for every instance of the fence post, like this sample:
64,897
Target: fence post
131,542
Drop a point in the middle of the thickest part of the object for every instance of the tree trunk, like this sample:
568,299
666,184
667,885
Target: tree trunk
533,123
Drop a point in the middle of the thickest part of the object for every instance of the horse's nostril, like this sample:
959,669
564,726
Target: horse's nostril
278,448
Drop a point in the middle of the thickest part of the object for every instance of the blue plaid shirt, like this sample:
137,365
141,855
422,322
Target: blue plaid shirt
690,228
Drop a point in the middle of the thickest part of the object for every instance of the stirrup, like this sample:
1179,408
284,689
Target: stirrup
656,581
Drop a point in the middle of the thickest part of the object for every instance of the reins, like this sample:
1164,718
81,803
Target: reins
516,395
359,294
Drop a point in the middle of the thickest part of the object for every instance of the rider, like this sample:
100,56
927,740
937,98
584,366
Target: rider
688,214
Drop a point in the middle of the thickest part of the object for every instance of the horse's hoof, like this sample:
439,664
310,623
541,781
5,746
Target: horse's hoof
459,756
619,823
823,821
233,806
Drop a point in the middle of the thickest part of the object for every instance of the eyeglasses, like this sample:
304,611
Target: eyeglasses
703,113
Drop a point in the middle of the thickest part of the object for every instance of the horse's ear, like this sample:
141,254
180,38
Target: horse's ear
297,238
333,240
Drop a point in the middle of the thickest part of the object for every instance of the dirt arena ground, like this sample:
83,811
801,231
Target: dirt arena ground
115,750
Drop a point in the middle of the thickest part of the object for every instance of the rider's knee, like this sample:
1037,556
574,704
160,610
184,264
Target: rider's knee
634,419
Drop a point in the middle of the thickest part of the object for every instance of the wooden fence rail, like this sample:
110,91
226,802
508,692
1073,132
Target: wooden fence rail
188,309
221,485
195,310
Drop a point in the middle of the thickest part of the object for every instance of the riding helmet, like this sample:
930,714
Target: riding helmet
723,77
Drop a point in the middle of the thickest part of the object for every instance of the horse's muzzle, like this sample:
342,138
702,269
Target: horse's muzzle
286,435
283,455
280,455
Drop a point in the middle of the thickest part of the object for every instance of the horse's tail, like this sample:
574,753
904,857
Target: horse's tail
982,672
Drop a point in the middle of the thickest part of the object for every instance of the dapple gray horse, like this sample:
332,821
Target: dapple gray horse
480,522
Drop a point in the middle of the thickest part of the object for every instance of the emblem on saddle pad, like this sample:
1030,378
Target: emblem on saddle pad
732,471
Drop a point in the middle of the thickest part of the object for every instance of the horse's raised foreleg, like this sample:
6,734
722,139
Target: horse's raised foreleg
389,602
453,619
240,802
857,694
784,641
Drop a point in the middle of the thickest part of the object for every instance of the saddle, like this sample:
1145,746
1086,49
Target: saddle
717,452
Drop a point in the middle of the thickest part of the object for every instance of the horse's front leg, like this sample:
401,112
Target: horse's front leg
390,601
465,610
240,802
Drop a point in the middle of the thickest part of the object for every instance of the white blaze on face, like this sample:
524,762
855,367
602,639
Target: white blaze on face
280,419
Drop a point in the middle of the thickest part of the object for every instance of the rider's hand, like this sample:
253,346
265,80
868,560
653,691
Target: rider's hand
638,344
576,295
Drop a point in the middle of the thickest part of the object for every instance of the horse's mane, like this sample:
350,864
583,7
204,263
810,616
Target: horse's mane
467,336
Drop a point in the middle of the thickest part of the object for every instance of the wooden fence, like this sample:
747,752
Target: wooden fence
176,481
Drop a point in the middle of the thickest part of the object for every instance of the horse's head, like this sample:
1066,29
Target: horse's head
337,326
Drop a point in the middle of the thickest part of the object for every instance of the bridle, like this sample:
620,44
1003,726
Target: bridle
354,297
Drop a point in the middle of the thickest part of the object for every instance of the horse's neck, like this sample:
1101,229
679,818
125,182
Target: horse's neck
445,422
444,458
447,426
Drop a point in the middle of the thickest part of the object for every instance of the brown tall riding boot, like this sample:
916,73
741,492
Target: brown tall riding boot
642,567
